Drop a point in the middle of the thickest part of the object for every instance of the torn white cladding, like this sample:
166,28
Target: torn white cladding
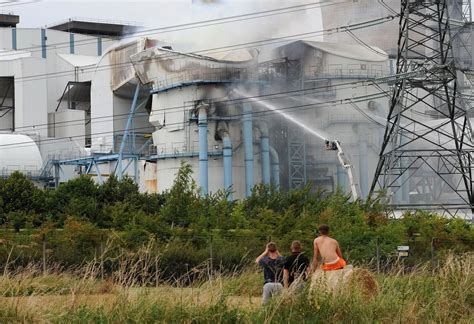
122,71
165,69
147,180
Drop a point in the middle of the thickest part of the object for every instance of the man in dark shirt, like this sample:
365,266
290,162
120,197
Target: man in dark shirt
272,263
296,265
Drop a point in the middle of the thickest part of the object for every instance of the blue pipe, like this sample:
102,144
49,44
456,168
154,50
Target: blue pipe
203,147
71,43
227,165
43,43
275,166
265,149
99,46
14,44
248,147
363,169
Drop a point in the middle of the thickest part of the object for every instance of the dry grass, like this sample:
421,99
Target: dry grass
422,295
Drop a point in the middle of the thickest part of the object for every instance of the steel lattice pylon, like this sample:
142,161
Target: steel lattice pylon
427,151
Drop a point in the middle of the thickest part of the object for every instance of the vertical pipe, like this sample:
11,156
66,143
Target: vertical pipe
99,46
227,165
248,147
265,150
363,169
56,175
71,43
14,44
203,149
275,166
43,43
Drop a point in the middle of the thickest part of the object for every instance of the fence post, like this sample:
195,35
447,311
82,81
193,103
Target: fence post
211,258
101,259
156,272
44,254
433,252
377,251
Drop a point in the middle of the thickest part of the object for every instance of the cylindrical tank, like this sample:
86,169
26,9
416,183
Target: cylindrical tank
182,85
19,153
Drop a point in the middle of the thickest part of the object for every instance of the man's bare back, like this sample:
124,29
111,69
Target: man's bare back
328,248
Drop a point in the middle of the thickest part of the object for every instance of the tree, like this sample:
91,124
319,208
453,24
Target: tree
18,193
182,204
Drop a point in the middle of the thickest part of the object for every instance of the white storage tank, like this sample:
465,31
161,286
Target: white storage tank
19,153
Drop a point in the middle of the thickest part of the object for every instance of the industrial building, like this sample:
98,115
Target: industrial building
93,104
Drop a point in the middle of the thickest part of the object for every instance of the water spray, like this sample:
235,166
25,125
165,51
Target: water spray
331,145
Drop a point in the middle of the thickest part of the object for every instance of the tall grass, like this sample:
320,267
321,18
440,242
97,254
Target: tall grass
132,294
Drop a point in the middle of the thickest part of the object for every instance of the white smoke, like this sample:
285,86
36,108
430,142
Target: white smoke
243,31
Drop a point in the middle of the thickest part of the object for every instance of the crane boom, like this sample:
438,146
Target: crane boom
336,146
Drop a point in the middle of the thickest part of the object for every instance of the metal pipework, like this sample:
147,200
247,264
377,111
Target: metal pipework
227,151
275,166
248,147
223,132
203,148
265,151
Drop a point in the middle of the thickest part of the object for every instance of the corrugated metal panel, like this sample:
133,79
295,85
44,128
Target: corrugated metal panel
122,70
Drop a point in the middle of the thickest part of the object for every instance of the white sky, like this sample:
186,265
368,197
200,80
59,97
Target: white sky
160,13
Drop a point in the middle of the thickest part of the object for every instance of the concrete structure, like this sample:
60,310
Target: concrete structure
45,85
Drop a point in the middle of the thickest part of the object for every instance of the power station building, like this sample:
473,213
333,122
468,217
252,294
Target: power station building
93,104
83,97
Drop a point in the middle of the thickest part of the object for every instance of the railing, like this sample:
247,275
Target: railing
368,73
181,148
224,75
8,171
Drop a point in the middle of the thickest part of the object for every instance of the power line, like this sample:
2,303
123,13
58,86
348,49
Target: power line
200,24
277,95
11,3
256,113
301,36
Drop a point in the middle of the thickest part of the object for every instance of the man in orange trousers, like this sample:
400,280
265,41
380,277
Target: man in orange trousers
329,250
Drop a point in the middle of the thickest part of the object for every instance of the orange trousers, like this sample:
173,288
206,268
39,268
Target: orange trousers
339,264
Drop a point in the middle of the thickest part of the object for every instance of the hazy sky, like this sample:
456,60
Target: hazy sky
151,13
159,13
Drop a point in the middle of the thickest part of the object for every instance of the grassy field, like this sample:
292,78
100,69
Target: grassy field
421,295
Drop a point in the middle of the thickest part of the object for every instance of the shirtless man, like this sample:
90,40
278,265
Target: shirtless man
329,250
